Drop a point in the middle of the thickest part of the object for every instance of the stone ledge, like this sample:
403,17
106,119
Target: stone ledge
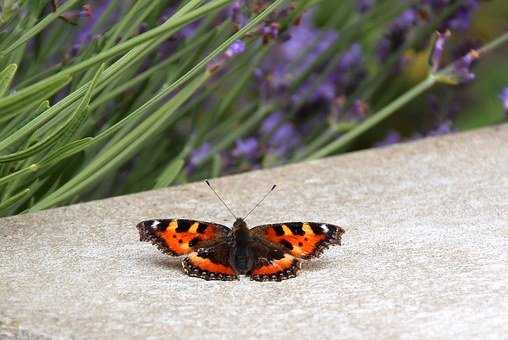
425,254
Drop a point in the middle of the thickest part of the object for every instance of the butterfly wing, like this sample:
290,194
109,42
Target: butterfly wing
180,236
272,262
302,240
211,263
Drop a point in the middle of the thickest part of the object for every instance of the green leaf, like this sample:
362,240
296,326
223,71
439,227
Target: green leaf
19,173
169,174
7,203
65,130
32,94
6,78
66,151
39,27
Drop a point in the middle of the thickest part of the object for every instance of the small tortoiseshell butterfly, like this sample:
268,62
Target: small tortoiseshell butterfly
270,252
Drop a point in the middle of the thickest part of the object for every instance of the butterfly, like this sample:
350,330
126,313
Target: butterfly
270,252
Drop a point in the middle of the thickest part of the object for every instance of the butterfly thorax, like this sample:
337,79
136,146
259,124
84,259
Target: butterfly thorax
241,257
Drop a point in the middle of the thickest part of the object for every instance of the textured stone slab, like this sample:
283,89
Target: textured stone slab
425,254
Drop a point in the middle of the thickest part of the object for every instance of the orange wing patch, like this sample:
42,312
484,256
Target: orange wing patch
276,270
179,237
302,240
195,265
210,264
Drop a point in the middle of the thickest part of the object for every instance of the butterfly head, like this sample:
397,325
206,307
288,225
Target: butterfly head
239,224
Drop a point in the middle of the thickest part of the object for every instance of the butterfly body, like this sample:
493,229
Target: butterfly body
269,252
241,256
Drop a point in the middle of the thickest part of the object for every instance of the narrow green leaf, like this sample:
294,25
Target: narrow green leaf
38,27
19,173
6,78
31,94
22,119
216,166
7,203
66,151
71,124
169,174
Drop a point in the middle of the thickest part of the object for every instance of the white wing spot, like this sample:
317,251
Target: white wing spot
155,224
325,228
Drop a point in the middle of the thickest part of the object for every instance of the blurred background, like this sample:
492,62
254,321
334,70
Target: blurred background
192,89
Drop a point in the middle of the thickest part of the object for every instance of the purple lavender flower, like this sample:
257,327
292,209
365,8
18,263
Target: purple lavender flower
437,52
236,48
392,137
351,58
198,155
236,14
350,72
271,122
397,34
442,129
462,68
461,19
248,148
504,99
284,140
364,5
85,33
270,31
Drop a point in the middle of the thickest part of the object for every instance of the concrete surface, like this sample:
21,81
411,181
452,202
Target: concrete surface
425,254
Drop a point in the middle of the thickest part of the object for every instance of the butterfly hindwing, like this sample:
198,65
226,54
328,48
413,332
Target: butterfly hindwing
301,239
272,262
211,263
180,236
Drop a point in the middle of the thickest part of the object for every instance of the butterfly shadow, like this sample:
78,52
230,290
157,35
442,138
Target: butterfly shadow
316,265
162,263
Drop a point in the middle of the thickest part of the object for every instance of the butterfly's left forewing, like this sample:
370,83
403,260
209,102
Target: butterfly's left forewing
301,239
180,236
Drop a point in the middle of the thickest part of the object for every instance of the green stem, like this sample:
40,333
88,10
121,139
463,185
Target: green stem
375,118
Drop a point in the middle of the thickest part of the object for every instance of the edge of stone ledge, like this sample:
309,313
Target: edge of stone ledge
433,140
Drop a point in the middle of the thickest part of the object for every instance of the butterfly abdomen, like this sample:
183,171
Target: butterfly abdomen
241,256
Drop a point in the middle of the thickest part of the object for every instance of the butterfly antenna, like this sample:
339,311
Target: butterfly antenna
220,198
261,201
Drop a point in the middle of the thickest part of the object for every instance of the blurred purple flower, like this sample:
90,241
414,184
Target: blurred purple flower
197,155
351,70
351,58
396,36
236,48
236,14
504,99
303,36
442,129
271,122
461,19
247,148
392,137
284,140
85,33
437,52
462,68
364,5
270,31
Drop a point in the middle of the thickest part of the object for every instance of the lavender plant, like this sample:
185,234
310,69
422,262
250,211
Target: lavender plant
106,97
